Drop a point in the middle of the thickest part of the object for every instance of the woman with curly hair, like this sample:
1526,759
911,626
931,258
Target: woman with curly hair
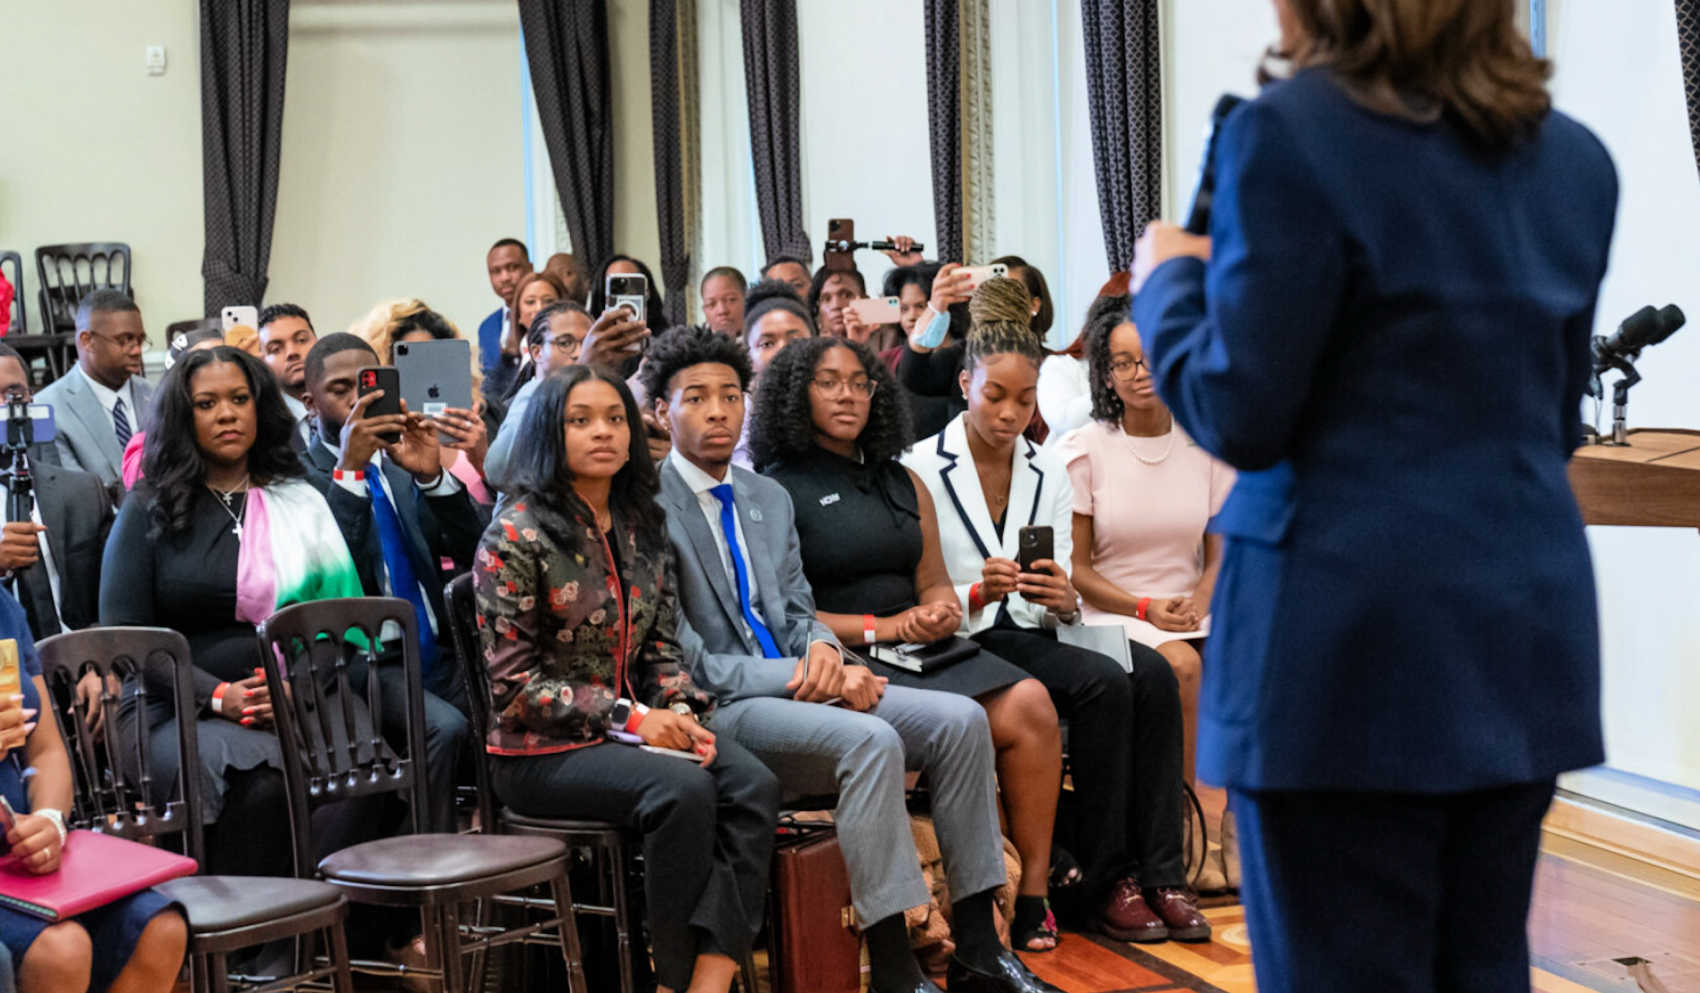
829,426
1124,728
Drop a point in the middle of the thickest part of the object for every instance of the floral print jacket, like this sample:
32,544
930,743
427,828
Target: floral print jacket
563,637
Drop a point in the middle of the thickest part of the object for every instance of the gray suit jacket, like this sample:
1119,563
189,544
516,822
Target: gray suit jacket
721,658
86,439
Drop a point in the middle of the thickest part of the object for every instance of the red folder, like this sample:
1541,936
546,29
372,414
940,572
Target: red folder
94,870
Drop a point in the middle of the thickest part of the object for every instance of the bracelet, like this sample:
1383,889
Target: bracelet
639,712
975,601
355,475
869,635
55,818
218,698
1144,605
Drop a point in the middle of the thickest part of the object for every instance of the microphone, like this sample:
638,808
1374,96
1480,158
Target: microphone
1204,194
1642,329
878,246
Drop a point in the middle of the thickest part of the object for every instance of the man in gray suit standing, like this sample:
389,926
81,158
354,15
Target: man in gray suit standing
99,404
749,630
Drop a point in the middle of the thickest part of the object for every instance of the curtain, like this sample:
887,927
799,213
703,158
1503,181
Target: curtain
1125,96
672,77
771,77
1688,39
944,120
566,48
244,49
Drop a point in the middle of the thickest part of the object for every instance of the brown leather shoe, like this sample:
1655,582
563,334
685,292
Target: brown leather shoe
1179,910
1126,917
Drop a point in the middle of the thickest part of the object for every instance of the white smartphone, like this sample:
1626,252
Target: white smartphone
232,316
978,274
657,749
874,311
630,290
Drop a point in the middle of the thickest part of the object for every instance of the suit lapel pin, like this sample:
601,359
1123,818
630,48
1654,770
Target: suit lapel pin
755,513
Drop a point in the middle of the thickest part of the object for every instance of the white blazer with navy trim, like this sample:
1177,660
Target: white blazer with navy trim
1039,493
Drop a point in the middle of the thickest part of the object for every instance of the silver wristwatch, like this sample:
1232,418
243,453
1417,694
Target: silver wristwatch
54,817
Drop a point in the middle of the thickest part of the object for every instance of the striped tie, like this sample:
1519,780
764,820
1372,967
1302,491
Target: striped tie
120,423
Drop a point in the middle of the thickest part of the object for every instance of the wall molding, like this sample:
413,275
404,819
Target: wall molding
1624,833
352,16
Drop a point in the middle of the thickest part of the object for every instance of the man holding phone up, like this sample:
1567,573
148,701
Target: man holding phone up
402,516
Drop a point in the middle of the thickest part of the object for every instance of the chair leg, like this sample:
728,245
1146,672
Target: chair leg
622,915
570,951
480,917
218,974
342,980
454,963
747,971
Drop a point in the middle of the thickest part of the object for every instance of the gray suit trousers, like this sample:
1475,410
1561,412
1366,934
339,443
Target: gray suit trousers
817,749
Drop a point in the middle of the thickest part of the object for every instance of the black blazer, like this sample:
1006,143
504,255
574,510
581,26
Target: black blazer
77,512
437,528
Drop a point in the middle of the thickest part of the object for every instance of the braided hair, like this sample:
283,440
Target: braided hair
1102,318
1000,309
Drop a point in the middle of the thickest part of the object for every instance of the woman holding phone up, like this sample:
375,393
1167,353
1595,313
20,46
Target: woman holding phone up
576,612
1124,730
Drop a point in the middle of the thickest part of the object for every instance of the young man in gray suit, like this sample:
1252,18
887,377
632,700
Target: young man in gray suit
750,632
99,404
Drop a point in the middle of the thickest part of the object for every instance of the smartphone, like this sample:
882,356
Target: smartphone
629,290
674,752
840,230
382,377
875,311
29,423
624,737
978,274
435,375
8,818
1033,542
232,316
11,679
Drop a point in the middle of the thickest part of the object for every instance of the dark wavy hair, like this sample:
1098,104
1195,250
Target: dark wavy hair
688,345
172,463
543,476
1102,318
784,422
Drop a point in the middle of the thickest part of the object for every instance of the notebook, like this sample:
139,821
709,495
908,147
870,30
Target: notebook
924,658
94,870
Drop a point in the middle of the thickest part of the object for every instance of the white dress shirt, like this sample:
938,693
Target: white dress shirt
109,398
701,483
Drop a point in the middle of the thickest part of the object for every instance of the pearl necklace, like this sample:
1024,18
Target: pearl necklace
1159,460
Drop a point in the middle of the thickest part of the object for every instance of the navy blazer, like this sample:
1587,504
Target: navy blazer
490,331
1391,341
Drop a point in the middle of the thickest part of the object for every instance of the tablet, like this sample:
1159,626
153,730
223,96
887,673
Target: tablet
435,375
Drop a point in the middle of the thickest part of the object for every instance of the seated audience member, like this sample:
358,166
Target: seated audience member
547,347
286,333
655,309
930,373
101,402
401,321
221,484
1124,729
402,517
789,269
533,292
1040,312
830,295
505,263
569,272
1065,395
134,944
576,610
774,316
749,629
179,346
604,346
829,427
723,289
1143,495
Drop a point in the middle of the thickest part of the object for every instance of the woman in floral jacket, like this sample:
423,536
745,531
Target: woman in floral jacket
576,613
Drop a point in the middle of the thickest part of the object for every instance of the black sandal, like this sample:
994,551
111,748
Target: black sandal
1027,927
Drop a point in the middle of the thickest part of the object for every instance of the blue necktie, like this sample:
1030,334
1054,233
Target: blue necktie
121,423
729,527
403,582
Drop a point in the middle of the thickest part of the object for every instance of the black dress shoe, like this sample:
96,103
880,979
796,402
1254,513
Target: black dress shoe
1011,976
924,986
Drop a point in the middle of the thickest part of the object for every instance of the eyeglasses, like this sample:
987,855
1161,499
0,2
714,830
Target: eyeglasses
1124,368
125,342
565,342
832,386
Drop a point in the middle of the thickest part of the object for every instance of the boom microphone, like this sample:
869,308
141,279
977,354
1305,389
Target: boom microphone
1204,194
878,246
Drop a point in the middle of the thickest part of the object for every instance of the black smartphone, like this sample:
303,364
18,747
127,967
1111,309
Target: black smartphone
386,378
1034,542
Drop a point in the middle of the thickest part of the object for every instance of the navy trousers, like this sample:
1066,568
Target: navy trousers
1387,892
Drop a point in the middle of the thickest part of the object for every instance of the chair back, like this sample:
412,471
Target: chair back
12,265
312,653
475,675
176,328
72,271
114,788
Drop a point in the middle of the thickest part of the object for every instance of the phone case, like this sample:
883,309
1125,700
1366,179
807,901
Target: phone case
382,378
435,375
877,310
1034,543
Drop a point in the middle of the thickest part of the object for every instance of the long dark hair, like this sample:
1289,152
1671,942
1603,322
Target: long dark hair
785,426
1105,315
655,309
543,476
171,458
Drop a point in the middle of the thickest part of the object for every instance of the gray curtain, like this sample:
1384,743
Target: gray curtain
244,49
770,75
1124,89
566,48
944,120
1688,39
667,113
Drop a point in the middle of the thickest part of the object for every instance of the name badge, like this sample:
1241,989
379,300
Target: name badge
829,500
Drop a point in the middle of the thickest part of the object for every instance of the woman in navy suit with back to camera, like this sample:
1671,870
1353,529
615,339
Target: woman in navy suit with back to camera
1387,333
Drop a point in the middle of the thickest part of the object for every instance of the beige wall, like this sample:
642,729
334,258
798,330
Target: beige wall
98,150
635,229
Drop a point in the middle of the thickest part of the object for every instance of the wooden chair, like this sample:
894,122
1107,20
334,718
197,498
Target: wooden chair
70,272
328,757
115,794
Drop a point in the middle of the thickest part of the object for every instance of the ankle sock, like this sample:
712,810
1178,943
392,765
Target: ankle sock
975,929
1029,915
891,966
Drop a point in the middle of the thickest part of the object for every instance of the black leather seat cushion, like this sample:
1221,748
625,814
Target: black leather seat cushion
437,859
223,903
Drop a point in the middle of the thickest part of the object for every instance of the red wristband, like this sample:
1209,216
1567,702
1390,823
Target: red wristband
218,698
975,601
639,712
1144,605
357,475
869,634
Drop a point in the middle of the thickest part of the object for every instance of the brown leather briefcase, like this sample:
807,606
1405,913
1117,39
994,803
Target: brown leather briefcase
814,946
